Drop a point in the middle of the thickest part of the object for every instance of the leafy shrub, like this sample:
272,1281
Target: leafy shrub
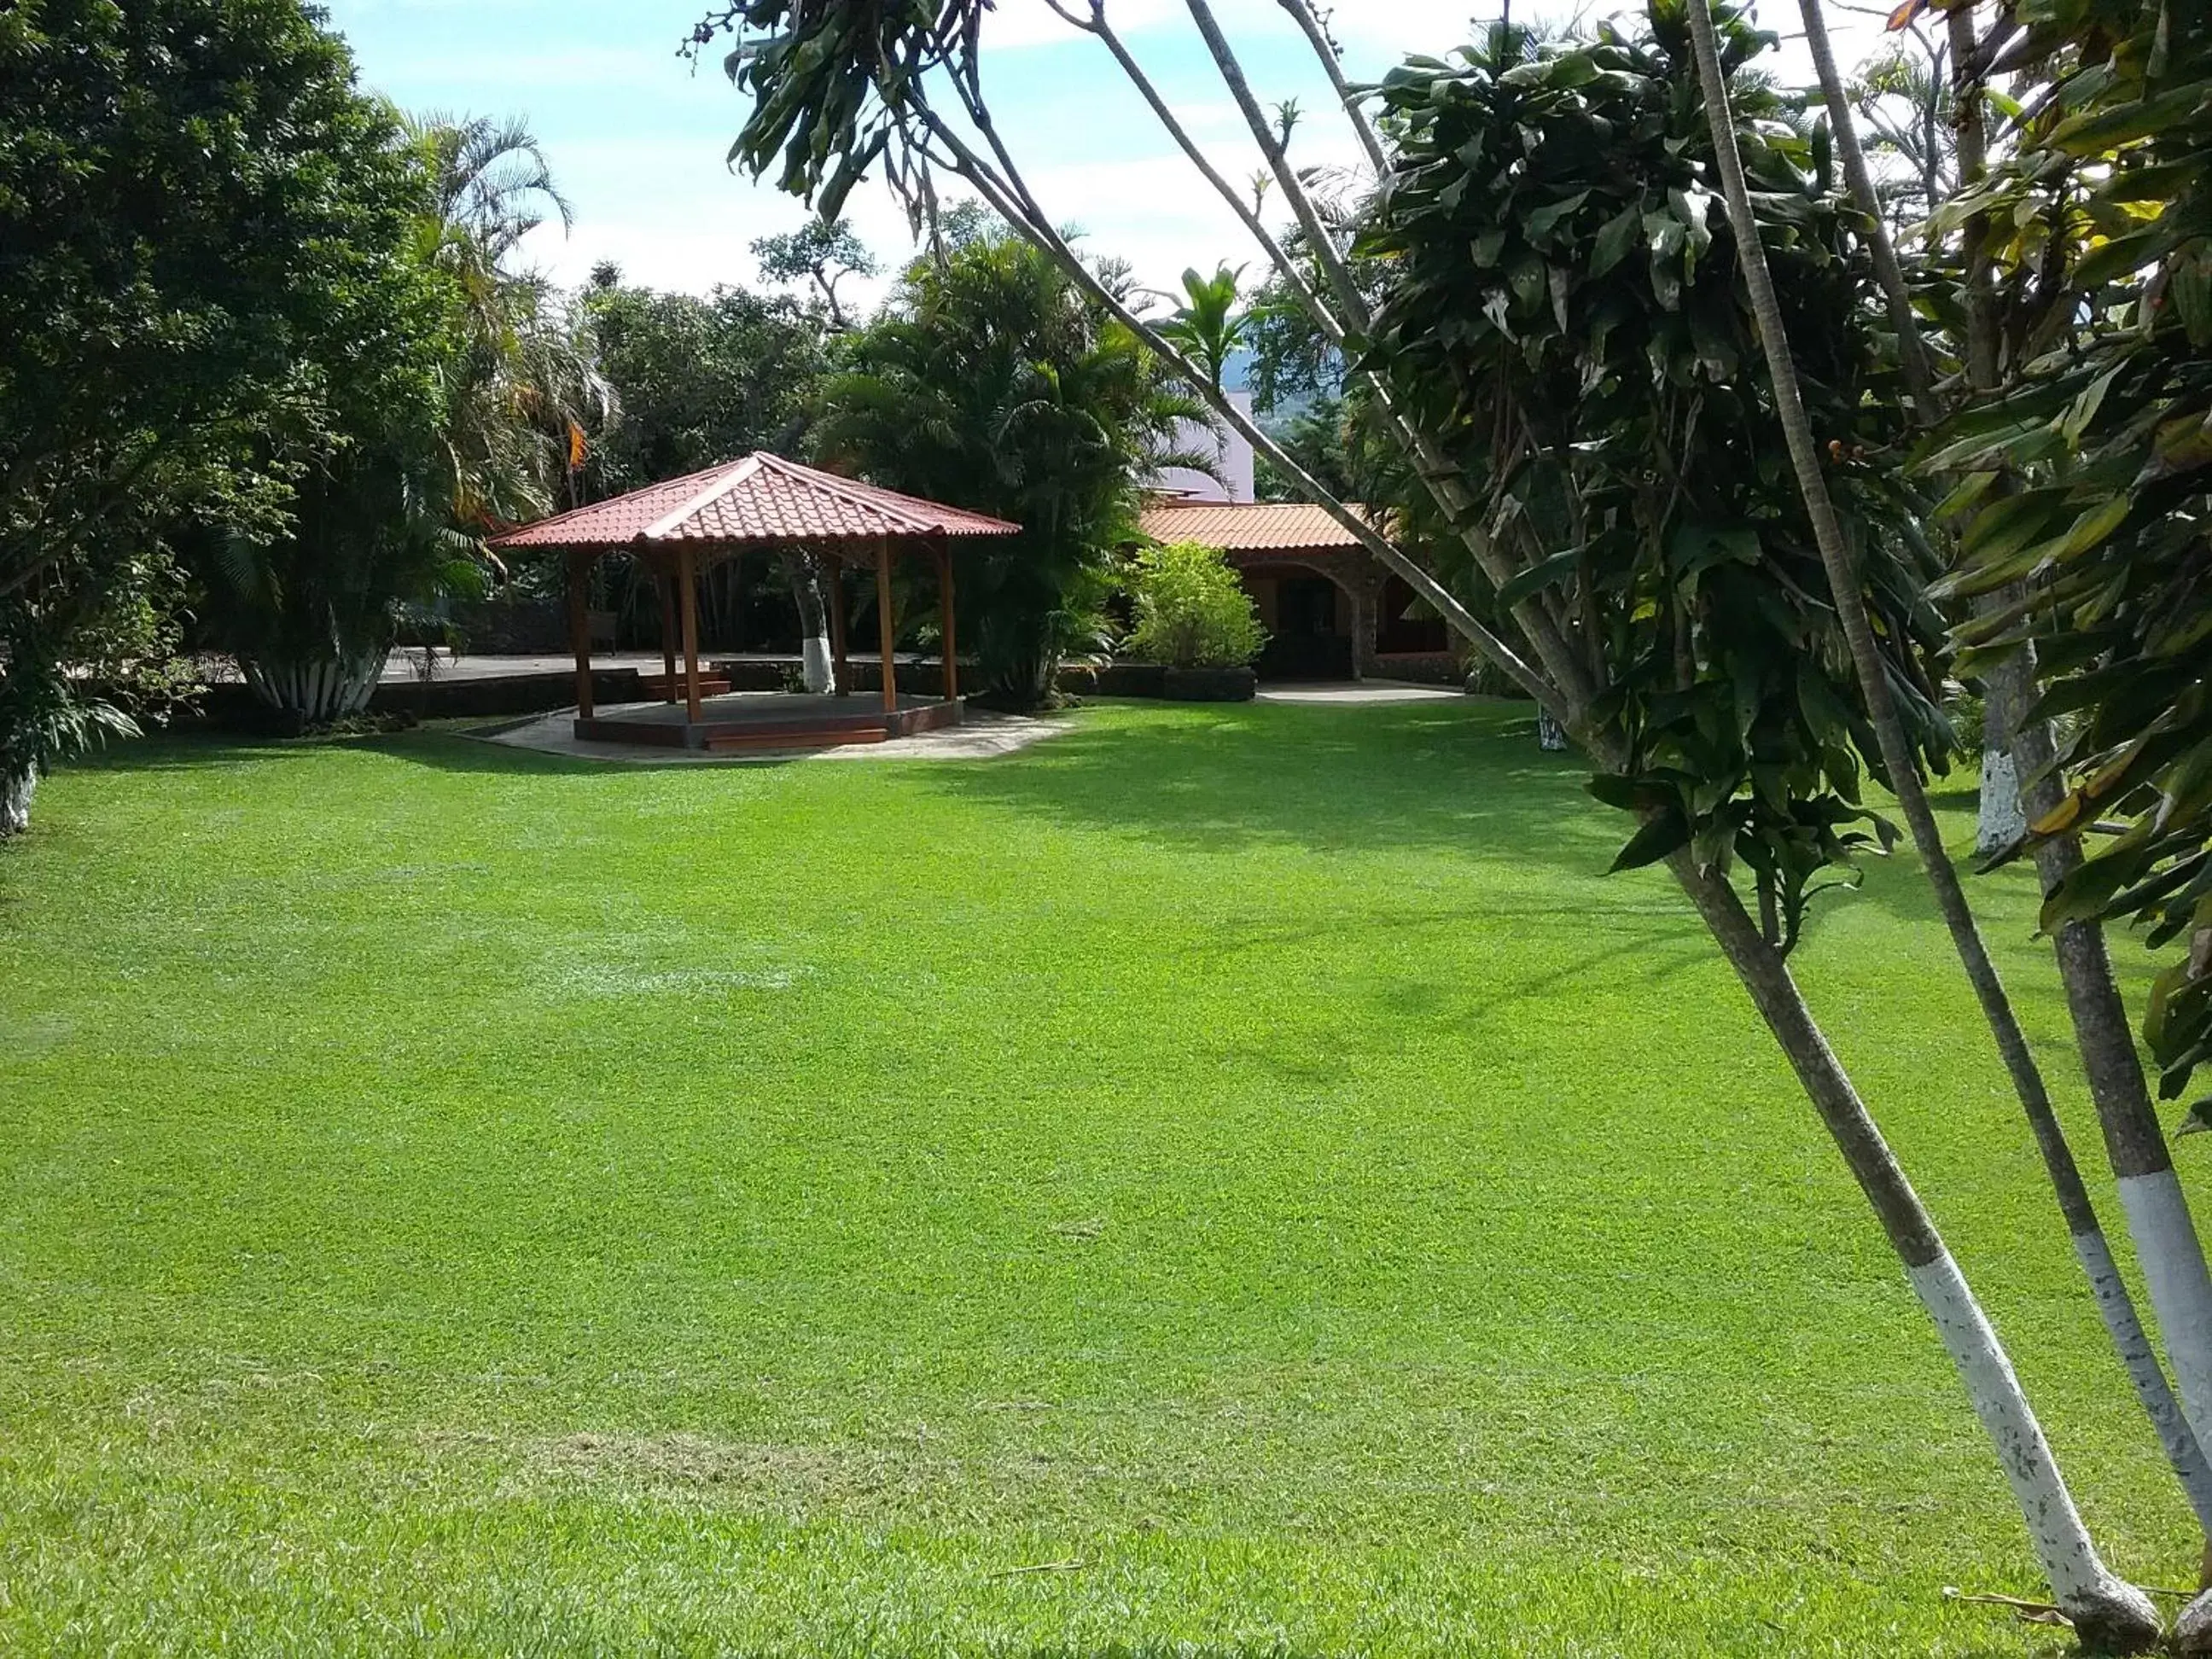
1191,611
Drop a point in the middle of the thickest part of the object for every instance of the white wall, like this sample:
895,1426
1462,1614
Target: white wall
1235,484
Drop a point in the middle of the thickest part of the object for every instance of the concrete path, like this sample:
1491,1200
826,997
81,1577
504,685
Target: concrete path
980,736
1362,691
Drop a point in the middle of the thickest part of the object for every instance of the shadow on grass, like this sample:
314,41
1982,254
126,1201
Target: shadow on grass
446,750
1463,777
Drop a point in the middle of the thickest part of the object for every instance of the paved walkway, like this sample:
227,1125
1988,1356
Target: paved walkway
980,736
1361,691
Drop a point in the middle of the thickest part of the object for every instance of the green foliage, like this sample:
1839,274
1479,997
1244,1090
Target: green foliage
821,74
822,253
451,389
991,381
2091,481
196,207
1192,611
1206,327
701,381
523,391
1564,307
493,182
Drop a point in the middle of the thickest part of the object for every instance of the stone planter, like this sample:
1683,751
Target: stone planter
1209,684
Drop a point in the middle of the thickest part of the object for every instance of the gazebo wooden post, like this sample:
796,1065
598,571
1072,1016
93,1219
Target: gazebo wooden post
662,580
687,575
580,627
833,571
884,622
944,621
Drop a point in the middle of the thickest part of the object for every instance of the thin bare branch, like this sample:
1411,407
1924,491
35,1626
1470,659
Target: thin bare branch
1302,13
1912,350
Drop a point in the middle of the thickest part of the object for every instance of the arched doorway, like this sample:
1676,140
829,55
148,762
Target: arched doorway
1310,618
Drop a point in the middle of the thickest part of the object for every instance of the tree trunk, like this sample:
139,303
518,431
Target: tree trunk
316,690
2166,1237
2121,1615
2107,1612
16,791
817,670
2002,819
1912,350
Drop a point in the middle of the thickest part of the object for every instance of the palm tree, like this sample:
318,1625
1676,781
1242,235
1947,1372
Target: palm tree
491,179
523,387
1207,328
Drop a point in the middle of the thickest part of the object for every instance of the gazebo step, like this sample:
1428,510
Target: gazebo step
724,742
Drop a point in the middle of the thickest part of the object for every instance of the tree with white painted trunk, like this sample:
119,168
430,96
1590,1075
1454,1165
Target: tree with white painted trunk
2011,719
818,671
1755,771
2085,485
1995,1392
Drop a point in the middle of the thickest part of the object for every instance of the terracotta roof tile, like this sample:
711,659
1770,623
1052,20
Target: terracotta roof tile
760,498
1246,527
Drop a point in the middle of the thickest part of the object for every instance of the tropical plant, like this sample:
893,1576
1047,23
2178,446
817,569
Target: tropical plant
525,397
1206,326
992,381
2083,476
472,407
312,613
2102,454
116,627
1192,611
492,181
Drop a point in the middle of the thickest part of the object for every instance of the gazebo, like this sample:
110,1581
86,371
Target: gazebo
677,529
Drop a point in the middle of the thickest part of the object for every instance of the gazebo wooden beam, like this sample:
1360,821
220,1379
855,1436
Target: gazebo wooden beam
945,627
883,628
580,627
662,580
833,571
686,577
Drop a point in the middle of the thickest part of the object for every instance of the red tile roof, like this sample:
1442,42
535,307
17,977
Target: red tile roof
761,498
1246,527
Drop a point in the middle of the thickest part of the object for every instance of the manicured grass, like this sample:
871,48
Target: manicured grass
1224,1181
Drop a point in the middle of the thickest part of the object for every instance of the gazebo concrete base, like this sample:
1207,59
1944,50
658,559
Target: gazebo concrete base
769,719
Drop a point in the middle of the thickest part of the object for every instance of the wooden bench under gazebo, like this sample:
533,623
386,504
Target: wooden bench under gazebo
678,529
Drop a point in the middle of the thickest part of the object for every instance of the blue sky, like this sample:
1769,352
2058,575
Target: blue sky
638,138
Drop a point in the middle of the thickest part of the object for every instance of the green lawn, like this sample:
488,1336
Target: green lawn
1246,1167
